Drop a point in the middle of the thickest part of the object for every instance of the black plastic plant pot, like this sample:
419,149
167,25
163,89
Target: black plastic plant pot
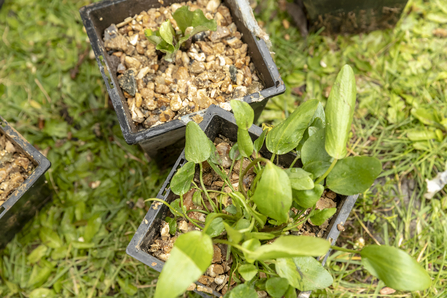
165,142
216,122
31,195
352,16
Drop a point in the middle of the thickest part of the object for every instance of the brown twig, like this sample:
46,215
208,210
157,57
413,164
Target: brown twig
366,229
74,72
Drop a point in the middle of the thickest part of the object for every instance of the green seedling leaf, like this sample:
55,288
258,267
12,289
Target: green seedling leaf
317,168
396,268
242,291
242,224
197,197
276,286
231,209
319,118
260,141
37,254
313,149
176,205
245,143
250,245
308,198
262,236
50,238
153,37
290,293
292,246
42,293
273,195
313,275
181,181
196,19
127,287
339,113
190,257
243,114
427,116
197,147
172,224
287,135
93,225
214,158
216,227
300,179
234,152
353,175
167,32
286,268
40,274
421,135
320,216
248,271
59,253
234,235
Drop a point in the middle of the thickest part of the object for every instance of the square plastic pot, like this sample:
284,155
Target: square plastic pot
34,192
217,121
352,16
154,141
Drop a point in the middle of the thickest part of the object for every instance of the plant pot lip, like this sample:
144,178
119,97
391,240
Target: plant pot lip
43,164
133,249
133,137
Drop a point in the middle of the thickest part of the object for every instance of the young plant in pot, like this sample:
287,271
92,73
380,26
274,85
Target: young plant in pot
259,217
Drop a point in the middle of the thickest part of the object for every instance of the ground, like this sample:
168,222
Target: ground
52,92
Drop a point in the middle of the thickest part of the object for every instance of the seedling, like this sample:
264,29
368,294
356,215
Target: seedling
168,41
319,137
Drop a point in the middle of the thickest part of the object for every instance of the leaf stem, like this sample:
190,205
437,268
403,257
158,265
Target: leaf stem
294,161
204,190
327,172
250,165
232,244
300,221
169,206
273,157
345,249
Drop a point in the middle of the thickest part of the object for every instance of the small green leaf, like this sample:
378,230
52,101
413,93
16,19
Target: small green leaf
234,235
231,209
286,268
276,286
176,206
260,141
37,254
248,271
197,147
216,227
340,112
152,37
93,225
421,135
172,224
197,197
314,276
262,235
273,195
186,18
300,179
234,152
313,149
181,181
308,198
42,293
290,293
251,245
245,143
287,135
190,257
127,287
292,246
317,168
396,268
242,291
353,175
320,216
427,116
50,238
40,274
214,158
167,32
243,114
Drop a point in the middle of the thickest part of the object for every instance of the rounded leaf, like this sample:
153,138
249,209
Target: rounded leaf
197,147
248,271
308,198
320,216
242,291
353,175
181,181
245,143
396,268
339,112
243,113
276,286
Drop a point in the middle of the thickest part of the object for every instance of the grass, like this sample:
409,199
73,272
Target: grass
68,116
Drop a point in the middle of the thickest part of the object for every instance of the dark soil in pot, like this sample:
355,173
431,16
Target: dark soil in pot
216,277
214,69
15,167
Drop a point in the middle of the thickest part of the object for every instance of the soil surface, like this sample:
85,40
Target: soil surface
217,276
214,69
15,168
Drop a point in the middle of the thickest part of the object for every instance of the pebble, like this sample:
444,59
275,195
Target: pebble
132,62
213,5
119,43
127,82
181,73
197,67
161,88
176,103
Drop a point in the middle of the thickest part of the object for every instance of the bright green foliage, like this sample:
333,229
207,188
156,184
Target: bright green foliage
308,198
243,114
276,286
245,143
197,148
248,271
181,181
299,179
273,195
320,216
242,291
313,275
189,259
168,41
339,113
395,268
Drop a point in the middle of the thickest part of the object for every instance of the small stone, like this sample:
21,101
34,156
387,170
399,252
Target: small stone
147,93
167,115
143,72
234,42
202,99
151,120
181,73
213,5
191,287
197,56
119,43
204,289
387,291
197,118
128,83
163,89
138,100
120,68
239,79
197,67
132,62
325,203
233,73
164,230
240,63
218,48
225,12
286,23
111,32
340,227
220,33
140,49
331,195
183,226
176,103
261,294
228,61
217,256
206,49
206,280
185,59
220,279
9,147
